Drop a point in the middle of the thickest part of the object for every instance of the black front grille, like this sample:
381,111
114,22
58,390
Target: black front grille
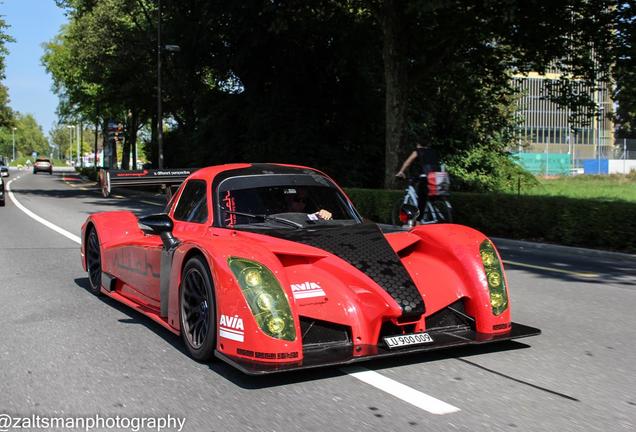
452,316
390,329
319,334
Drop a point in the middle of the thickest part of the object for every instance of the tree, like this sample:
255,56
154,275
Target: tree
346,85
625,58
6,113
29,137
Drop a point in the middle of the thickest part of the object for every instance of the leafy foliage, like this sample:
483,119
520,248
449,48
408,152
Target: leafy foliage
29,137
347,85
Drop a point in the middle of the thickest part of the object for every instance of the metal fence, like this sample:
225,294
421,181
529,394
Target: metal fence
555,159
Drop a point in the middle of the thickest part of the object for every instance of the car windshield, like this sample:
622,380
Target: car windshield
278,205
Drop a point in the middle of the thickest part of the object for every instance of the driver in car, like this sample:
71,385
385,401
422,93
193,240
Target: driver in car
296,201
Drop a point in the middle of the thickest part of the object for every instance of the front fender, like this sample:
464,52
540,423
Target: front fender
449,255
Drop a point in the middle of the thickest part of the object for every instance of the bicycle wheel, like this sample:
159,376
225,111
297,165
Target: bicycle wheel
443,211
429,215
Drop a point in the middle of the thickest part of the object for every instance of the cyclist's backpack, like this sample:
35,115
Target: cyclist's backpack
438,184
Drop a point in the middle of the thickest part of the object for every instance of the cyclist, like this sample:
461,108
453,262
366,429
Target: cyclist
427,161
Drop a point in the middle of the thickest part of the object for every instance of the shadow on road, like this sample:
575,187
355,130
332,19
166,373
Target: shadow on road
281,379
91,196
594,268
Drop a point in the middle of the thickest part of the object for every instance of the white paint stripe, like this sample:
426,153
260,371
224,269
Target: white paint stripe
39,219
231,330
308,294
152,203
552,269
227,335
400,391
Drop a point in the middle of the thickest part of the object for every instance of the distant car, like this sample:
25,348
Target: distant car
1,192
271,268
4,169
42,164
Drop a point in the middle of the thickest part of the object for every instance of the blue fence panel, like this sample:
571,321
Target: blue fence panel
595,166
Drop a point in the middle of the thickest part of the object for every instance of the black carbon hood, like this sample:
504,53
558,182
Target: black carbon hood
365,247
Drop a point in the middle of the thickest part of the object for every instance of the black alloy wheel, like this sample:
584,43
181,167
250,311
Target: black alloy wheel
197,310
94,262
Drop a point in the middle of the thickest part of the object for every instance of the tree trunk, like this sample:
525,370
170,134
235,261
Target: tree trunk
154,149
96,139
395,75
125,153
134,126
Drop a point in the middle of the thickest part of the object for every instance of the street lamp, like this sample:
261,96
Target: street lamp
13,132
70,142
171,48
159,108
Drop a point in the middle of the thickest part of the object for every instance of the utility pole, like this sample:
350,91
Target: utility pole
13,131
70,142
78,138
159,107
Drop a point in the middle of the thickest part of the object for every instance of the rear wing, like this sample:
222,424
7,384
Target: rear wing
110,178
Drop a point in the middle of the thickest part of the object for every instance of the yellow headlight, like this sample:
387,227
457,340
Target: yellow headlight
276,325
252,277
494,279
496,300
265,301
489,259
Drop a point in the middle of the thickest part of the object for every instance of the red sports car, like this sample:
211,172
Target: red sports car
271,268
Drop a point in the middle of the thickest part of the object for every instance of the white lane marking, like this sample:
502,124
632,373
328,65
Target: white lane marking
152,203
394,388
39,219
552,269
401,391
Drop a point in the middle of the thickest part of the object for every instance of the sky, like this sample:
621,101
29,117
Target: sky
32,22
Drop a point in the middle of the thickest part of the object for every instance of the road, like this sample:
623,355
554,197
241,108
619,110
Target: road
64,352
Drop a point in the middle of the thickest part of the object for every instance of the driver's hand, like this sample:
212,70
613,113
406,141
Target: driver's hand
324,215
400,175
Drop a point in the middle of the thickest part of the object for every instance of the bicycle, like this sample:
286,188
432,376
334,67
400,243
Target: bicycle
437,208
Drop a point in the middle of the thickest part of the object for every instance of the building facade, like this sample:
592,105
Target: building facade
549,128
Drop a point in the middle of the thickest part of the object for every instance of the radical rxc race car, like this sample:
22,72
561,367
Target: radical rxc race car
271,268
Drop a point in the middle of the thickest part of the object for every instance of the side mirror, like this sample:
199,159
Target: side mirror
161,225
409,214
155,224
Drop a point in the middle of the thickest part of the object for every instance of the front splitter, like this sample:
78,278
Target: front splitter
335,356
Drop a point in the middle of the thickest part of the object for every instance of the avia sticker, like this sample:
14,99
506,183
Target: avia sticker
231,327
307,290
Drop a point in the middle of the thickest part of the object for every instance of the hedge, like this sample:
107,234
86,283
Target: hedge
588,223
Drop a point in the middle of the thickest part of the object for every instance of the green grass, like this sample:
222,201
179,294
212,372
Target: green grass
603,187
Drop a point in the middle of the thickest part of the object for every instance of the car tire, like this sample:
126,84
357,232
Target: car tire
94,262
197,310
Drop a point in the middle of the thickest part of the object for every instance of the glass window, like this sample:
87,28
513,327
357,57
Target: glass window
284,200
193,204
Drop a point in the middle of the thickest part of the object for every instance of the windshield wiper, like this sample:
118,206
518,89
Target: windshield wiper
266,218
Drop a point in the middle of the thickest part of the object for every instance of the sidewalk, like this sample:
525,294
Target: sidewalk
571,250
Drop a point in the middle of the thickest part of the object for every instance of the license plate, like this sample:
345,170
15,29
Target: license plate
407,340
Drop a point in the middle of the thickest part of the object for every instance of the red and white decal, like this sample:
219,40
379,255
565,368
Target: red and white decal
307,290
231,327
